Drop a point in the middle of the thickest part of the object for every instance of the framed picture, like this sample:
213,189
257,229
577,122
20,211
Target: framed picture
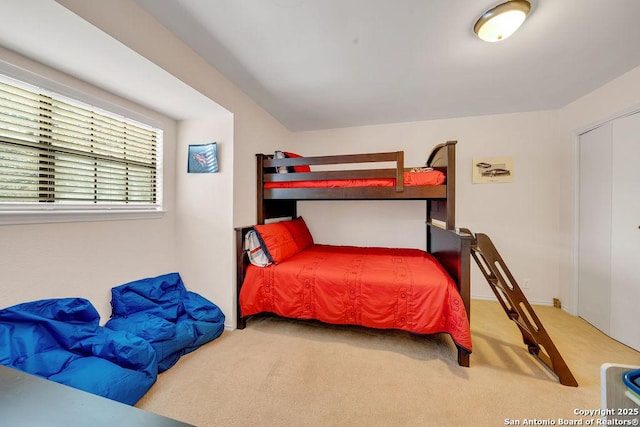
488,170
203,158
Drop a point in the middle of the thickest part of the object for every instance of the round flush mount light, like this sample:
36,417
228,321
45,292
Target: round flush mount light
500,22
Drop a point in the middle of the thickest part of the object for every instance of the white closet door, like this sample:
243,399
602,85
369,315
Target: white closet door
594,260
625,232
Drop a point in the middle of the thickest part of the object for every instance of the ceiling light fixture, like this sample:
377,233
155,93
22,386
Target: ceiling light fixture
502,21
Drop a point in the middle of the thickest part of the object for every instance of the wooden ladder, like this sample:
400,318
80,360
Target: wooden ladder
517,307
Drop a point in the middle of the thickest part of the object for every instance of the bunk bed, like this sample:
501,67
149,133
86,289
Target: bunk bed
275,200
358,177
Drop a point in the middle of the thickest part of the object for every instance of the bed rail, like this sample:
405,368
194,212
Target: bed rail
242,261
396,172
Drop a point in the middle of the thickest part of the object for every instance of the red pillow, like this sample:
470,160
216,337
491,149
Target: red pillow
303,168
277,241
300,232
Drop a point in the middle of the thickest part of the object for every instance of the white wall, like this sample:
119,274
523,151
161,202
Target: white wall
521,217
204,214
87,259
616,98
253,131
529,220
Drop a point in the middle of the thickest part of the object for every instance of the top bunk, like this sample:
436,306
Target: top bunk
283,181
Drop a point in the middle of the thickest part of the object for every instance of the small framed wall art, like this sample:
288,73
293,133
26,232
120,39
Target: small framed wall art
203,158
488,170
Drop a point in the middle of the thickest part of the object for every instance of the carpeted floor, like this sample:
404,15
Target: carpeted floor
280,372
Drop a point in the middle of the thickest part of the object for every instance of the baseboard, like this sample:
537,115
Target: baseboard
532,302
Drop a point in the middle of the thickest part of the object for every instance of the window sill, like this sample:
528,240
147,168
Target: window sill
17,217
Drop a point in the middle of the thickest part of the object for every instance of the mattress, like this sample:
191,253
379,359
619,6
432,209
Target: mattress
411,179
385,288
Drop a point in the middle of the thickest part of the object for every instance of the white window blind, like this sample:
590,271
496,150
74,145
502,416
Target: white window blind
58,152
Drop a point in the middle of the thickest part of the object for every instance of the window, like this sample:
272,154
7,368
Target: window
60,154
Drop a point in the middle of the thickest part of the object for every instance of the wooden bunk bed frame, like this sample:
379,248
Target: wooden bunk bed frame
281,202
450,248
453,248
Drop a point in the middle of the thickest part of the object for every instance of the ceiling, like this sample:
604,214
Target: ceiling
318,64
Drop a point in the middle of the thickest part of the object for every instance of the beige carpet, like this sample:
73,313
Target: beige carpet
279,372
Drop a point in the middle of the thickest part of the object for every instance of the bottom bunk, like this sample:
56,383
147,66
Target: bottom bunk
284,272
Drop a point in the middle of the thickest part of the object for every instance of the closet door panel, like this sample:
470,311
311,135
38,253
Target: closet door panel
594,260
625,231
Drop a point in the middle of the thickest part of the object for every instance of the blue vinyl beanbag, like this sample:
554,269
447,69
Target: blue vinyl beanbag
61,340
160,310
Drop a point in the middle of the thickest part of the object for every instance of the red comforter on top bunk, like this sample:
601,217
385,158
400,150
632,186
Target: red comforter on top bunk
411,179
384,288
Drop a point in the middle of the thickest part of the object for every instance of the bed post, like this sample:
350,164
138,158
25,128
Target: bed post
453,251
270,208
260,188
443,157
451,184
400,171
241,267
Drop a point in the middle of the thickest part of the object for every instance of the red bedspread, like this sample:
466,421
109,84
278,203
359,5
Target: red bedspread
411,179
383,288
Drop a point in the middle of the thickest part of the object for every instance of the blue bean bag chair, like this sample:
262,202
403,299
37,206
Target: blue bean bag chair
160,310
61,340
